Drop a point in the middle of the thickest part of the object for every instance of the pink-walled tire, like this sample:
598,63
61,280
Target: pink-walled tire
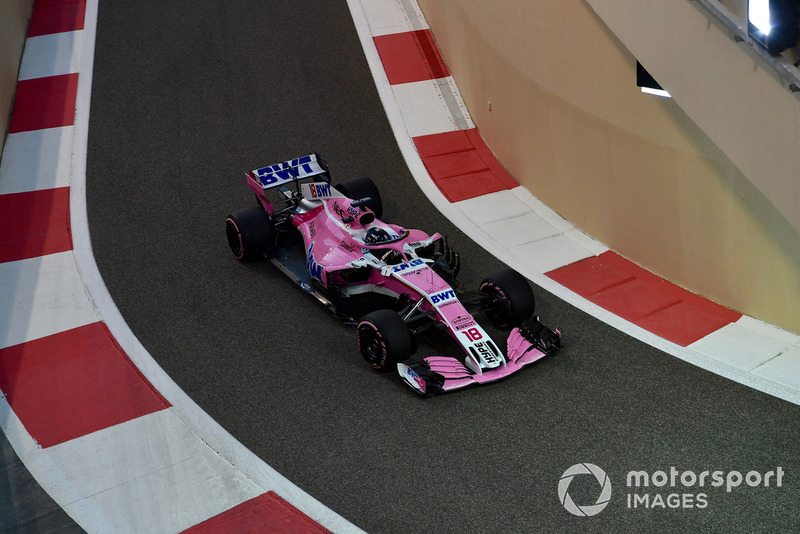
514,300
384,339
250,233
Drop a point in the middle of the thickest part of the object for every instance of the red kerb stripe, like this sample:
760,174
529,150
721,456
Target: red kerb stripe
461,164
34,223
635,294
47,102
266,514
73,383
411,57
56,16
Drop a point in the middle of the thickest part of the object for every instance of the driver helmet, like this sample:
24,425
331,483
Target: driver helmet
376,236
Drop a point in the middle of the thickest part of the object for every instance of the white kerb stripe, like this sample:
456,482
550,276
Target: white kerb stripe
35,160
41,296
51,55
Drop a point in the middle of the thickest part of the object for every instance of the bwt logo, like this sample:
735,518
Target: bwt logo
320,190
442,297
584,469
281,172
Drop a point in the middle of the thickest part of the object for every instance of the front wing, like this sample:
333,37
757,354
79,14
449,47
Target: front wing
439,374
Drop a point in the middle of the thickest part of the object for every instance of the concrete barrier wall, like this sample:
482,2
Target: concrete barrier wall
553,91
14,17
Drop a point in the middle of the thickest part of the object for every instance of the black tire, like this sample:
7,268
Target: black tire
250,233
384,339
513,298
362,187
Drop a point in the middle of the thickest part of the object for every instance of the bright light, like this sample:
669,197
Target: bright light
657,92
758,14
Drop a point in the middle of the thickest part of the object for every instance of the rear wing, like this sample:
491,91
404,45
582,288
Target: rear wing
290,171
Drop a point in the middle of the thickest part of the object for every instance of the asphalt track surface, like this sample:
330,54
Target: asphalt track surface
188,95
24,505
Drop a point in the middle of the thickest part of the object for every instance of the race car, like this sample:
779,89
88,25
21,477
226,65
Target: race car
395,284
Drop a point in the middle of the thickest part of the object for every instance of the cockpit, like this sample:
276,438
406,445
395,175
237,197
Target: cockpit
377,236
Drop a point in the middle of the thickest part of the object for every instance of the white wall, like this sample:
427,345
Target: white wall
725,89
701,189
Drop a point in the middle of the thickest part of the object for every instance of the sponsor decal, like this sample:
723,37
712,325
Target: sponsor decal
463,321
486,352
337,210
312,229
282,172
443,296
274,174
314,268
344,215
413,378
406,266
320,190
410,372
347,246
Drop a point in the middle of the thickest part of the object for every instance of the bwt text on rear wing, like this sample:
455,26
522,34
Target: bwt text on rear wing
288,171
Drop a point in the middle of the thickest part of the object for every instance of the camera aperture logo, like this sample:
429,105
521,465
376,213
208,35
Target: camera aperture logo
590,509
669,488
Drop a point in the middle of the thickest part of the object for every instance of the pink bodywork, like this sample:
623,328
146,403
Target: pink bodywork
333,244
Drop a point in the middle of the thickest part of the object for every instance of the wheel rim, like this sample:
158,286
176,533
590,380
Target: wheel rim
500,314
371,345
234,238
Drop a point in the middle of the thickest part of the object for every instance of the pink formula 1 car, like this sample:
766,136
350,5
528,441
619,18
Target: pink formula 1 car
394,283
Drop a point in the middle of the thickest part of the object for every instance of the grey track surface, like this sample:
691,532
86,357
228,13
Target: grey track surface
25,508
187,96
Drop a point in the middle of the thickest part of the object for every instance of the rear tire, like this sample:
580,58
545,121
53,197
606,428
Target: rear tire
250,233
513,297
384,339
362,187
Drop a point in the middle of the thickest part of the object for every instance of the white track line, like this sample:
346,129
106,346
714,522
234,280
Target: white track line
42,296
51,55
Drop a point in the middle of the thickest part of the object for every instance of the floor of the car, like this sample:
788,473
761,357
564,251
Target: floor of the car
290,257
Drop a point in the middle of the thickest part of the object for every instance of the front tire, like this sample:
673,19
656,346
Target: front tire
250,233
384,339
513,300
